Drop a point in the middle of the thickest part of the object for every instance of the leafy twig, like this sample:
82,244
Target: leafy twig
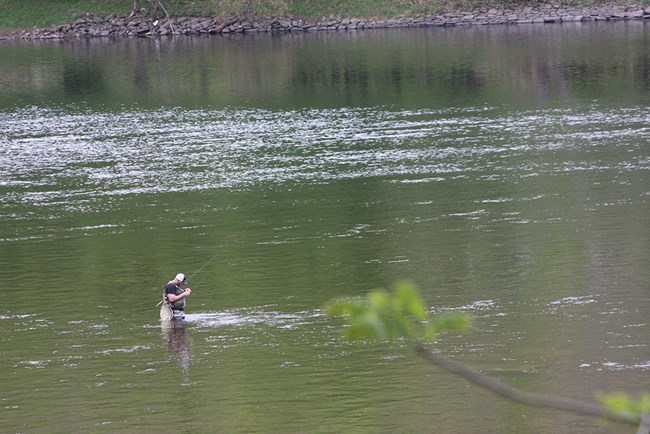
402,315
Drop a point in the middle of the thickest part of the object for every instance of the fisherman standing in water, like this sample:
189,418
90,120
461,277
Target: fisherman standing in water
175,296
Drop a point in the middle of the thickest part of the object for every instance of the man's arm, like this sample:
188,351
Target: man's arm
173,297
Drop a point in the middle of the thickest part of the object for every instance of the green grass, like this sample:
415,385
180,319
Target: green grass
15,14
44,13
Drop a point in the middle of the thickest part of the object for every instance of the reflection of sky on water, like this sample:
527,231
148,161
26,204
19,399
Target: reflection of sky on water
60,162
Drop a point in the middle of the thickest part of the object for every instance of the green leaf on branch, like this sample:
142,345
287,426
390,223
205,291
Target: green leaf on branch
625,405
390,316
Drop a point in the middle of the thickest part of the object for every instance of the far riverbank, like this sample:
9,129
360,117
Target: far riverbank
118,26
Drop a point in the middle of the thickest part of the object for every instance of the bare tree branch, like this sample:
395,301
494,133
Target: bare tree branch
538,400
158,4
136,8
155,3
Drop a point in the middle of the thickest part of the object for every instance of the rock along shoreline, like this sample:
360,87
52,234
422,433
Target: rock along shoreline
116,26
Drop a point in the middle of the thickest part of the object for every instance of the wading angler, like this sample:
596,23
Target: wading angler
174,299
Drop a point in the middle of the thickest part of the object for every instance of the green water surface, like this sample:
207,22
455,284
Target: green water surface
504,170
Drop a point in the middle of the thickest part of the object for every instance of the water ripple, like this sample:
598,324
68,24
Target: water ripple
56,159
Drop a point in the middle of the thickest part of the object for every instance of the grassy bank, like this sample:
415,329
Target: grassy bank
45,13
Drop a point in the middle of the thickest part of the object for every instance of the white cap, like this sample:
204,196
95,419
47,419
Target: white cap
181,277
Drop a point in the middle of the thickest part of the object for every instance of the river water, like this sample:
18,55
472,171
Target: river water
503,170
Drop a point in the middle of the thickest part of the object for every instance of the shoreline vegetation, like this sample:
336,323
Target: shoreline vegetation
159,22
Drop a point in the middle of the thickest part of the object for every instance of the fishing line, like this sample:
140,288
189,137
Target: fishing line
203,266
